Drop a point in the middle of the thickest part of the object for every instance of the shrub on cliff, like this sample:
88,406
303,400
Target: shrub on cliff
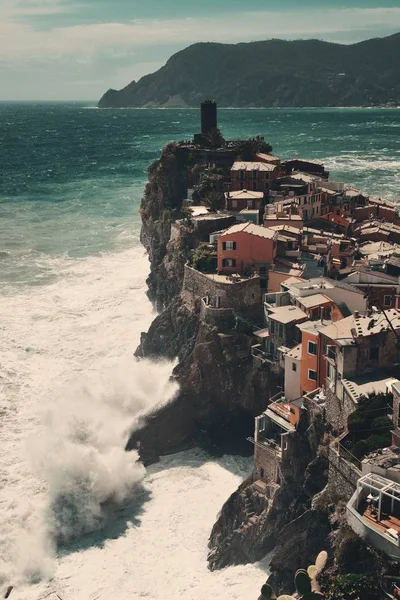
354,586
204,259
246,149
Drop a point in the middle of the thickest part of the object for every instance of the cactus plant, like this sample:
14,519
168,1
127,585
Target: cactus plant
267,592
305,581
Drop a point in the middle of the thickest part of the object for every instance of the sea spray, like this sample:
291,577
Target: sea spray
79,455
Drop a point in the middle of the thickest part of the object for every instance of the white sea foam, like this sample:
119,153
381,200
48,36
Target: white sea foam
70,392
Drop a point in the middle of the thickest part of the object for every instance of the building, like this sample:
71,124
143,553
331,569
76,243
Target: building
346,297
362,353
307,166
373,512
255,176
312,363
247,248
383,290
292,365
243,199
281,324
272,441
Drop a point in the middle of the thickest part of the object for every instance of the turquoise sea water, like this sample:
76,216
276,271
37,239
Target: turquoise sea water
72,307
71,176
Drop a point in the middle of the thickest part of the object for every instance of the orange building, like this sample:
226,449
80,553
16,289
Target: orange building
312,367
246,248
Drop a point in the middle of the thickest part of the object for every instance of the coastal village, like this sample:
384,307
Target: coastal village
312,266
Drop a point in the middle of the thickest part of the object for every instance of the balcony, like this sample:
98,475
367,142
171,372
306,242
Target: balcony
258,352
267,444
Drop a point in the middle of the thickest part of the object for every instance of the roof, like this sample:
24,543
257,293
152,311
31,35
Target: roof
268,157
252,166
386,458
303,177
307,161
249,211
287,314
328,191
347,330
314,300
375,382
244,195
251,229
282,217
376,248
283,228
314,326
262,333
295,352
292,280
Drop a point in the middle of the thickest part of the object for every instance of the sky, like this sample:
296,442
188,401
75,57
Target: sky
77,49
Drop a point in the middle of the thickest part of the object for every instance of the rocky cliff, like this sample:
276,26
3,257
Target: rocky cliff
221,388
254,518
271,73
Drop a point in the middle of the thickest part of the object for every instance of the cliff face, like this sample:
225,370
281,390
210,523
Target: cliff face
253,519
271,73
220,388
161,203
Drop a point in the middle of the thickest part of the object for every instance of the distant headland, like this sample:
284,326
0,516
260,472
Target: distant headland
272,73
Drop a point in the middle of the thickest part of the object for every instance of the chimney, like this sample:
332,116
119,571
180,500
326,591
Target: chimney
356,314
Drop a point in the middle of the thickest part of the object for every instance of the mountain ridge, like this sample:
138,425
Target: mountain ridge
271,73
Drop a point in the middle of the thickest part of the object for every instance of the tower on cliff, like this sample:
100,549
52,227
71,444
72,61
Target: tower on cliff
209,121
210,134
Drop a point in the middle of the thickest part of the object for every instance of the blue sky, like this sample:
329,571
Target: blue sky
77,49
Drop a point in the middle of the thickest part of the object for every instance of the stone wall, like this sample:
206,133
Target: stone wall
342,477
266,465
221,318
243,297
338,411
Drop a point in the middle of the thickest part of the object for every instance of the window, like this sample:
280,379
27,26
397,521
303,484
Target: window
374,353
254,175
331,352
234,203
387,300
241,175
229,262
228,245
312,348
272,327
281,330
254,186
294,367
312,375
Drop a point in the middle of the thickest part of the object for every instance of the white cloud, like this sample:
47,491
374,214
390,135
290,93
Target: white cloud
111,51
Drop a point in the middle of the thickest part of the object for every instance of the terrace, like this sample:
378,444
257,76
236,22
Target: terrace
374,512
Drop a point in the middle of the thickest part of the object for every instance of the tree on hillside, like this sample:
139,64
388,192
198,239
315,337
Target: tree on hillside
214,200
247,149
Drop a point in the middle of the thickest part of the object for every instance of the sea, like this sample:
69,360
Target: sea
81,519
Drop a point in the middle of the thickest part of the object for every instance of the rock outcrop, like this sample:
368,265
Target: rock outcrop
221,389
252,520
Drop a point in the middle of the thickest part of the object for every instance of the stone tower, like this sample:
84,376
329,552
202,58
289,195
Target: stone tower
208,116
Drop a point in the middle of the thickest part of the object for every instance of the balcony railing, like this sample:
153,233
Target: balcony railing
257,352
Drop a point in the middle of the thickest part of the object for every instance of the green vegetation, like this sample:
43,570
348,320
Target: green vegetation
271,73
354,586
204,259
369,426
305,581
246,149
